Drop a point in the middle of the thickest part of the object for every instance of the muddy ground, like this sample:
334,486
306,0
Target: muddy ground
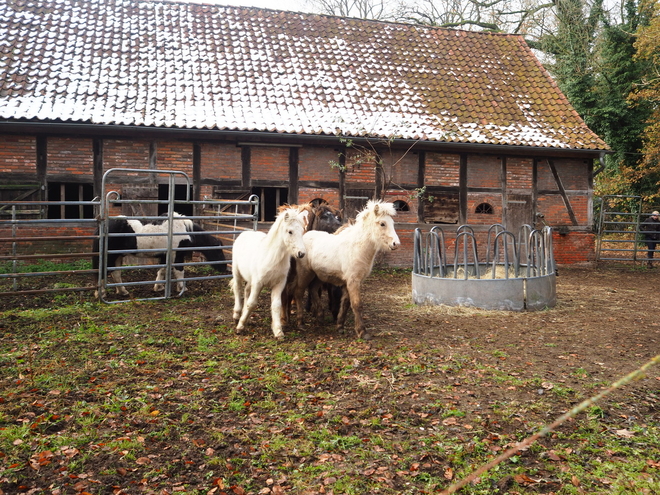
422,363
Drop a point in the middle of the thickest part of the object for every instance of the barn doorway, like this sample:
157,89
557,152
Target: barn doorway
518,211
270,199
182,192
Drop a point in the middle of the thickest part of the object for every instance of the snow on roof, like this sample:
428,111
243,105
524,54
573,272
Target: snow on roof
197,66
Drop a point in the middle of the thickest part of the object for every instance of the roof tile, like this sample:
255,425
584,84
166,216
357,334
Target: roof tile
192,66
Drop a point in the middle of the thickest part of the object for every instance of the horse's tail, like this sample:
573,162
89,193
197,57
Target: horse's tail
202,239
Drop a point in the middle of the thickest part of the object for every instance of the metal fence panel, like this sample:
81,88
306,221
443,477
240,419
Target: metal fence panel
37,251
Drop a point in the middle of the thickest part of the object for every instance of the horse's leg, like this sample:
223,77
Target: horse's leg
251,298
179,277
160,276
356,303
179,259
344,304
116,275
301,283
276,309
314,290
236,287
288,292
334,299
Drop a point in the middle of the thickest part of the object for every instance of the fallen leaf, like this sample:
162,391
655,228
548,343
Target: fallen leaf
625,433
523,479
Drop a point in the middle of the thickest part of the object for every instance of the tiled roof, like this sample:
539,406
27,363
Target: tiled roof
196,66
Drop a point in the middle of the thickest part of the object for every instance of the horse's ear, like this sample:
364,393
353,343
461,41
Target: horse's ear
376,210
305,217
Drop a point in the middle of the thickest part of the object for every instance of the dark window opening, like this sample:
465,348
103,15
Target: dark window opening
63,191
270,198
484,208
400,205
20,192
180,194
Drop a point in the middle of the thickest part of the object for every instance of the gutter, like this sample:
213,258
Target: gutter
260,138
601,159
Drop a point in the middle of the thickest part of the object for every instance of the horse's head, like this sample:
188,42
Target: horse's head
326,218
377,218
293,226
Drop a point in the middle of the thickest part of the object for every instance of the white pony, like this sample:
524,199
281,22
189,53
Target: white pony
262,260
346,258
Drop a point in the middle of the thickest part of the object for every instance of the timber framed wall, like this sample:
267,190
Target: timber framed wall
445,188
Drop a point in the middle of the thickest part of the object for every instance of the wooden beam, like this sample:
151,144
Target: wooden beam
421,173
562,191
293,175
462,189
246,157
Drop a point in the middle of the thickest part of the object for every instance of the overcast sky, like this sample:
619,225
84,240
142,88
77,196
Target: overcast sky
293,5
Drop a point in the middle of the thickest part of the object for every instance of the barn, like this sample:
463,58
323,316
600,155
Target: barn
452,126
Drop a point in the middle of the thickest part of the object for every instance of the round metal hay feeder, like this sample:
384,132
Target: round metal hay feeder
517,274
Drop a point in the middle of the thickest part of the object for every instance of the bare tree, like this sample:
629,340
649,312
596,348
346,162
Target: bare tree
363,9
512,16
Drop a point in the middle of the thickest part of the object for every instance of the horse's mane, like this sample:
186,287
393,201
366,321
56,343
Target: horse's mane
378,208
307,211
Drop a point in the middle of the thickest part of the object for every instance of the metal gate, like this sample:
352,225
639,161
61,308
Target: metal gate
34,246
223,219
619,236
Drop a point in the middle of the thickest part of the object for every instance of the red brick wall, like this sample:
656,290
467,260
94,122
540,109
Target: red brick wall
556,214
575,247
442,169
125,154
267,163
46,245
70,156
475,199
407,197
221,161
74,156
18,154
572,173
401,167
307,194
519,174
314,164
484,171
175,155
360,168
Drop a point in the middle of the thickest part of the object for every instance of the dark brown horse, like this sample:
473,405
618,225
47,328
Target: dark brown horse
324,218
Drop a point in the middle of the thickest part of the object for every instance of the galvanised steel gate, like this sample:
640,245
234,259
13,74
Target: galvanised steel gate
36,251
619,236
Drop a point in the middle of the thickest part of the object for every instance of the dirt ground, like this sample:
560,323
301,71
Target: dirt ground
605,325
